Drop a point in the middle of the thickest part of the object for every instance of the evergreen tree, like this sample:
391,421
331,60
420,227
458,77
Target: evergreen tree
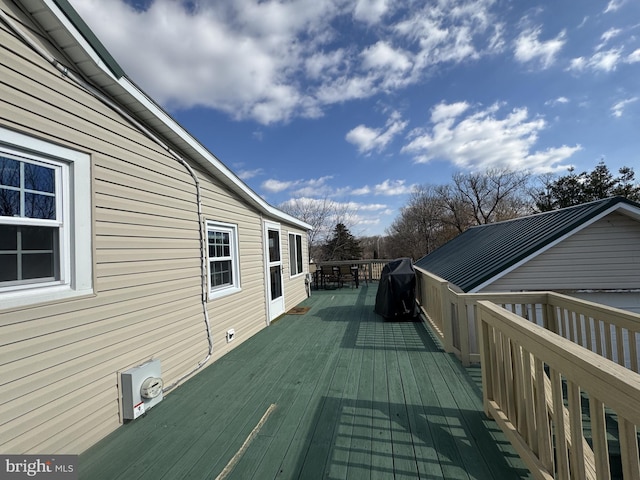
575,189
342,245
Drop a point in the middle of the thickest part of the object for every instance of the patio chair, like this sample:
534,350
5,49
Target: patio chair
330,276
347,274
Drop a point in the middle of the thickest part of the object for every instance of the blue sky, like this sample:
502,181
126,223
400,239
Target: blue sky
357,101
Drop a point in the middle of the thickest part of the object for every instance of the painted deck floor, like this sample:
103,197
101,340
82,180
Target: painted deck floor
354,397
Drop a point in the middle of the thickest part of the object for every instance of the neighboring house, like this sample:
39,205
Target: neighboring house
590,251
105,260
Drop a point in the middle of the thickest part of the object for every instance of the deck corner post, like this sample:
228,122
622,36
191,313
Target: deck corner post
447,317
485,358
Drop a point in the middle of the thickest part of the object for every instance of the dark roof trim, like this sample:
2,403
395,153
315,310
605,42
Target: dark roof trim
90,37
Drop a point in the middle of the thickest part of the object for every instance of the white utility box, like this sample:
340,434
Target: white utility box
141,389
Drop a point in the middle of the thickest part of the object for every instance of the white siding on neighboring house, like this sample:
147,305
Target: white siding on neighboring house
603,256
60,361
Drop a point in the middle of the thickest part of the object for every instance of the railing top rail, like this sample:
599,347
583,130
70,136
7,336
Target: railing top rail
578,305
511,298
615,385
351,262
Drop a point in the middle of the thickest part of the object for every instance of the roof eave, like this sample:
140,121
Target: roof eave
93,61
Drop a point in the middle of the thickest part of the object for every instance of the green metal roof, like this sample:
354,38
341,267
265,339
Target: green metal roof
482,252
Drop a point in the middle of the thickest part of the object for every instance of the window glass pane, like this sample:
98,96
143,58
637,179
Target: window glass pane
299,252
276,283
39,206
219,244
8,237
9,203
8,267
9,172
292,254
274,245
39,178
37,265
221,273
37,238
28,253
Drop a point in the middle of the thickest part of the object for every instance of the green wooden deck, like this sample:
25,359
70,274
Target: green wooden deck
355,397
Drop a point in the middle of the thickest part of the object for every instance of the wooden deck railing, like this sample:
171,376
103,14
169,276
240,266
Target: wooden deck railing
534,385
607,331
370,269
549,363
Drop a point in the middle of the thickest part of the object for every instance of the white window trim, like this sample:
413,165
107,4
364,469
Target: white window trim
295,234
235,260
76,264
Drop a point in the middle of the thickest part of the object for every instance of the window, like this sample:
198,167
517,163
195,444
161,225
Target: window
45,228
224,275
295,253
29,197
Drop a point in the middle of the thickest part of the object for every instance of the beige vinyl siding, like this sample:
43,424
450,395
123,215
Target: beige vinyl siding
604,255
294,287
60,362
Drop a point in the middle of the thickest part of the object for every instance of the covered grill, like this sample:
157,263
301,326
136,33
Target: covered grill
396,296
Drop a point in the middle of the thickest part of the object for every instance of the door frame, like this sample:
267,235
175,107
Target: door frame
275,308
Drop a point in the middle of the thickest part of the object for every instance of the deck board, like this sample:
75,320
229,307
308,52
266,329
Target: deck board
356,397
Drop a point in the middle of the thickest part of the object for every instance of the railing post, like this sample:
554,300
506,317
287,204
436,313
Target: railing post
463,330
550,319
485,360
447,321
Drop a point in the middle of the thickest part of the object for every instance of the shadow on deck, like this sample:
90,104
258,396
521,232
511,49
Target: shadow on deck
348,396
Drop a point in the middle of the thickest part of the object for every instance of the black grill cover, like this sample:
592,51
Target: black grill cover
396,296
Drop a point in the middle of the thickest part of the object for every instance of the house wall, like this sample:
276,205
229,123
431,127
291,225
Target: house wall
295,289
60,361
603,256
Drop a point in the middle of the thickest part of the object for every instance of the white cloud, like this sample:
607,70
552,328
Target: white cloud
314,187
634,56
483,140
557,101
617,109
608,35
613,5
529,48
444,112
393,187
246,174
370,11
274,186
604,61
383,56
318,187
369,139
387,188
275,61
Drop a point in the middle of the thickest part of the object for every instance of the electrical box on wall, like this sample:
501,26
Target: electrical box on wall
231,334
141,389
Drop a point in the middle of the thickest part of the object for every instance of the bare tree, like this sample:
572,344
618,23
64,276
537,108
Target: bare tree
436,214
422,225
492,196
323,215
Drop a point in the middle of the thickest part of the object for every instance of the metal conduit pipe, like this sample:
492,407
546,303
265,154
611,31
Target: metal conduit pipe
79,81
